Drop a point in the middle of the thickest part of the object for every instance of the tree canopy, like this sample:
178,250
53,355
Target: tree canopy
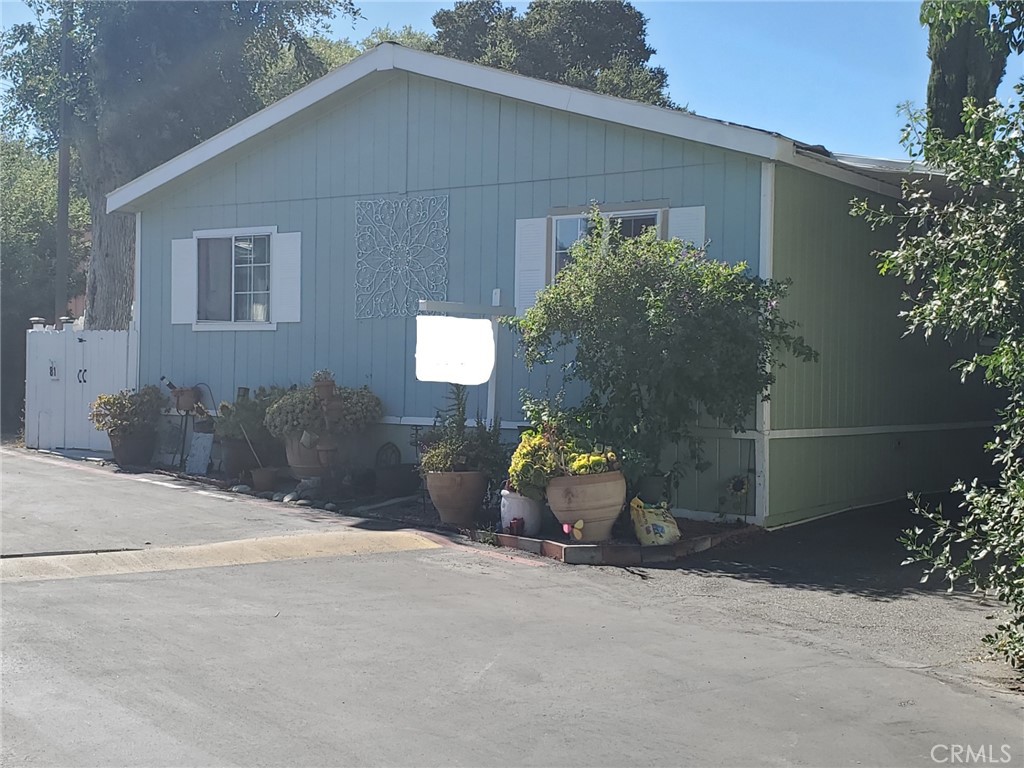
285,75
963,264
968,44
600,46
29,182
147,81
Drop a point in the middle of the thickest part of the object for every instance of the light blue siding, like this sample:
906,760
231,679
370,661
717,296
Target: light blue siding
392,135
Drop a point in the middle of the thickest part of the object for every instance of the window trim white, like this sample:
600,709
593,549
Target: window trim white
228,325
610,213
233,325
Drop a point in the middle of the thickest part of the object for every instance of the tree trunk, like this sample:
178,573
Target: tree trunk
962,66
111,279
110,284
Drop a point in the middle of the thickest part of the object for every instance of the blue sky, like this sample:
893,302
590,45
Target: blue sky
827,73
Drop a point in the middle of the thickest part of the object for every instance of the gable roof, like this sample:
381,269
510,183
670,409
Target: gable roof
388,56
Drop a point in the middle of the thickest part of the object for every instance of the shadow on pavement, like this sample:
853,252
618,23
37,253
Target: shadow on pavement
853,552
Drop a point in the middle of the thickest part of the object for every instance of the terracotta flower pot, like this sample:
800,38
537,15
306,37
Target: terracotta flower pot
263,478
303,461
458,496
134,450
324,390
595,499
184,398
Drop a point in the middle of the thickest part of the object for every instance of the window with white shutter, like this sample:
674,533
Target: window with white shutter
543,245
236,279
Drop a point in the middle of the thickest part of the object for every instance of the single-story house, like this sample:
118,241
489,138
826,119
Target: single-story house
302,237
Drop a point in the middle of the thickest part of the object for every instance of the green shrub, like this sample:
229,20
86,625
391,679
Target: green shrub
659,331
128,412
353,410
296,411
451,446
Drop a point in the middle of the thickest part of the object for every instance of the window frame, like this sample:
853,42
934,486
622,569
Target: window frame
237,325
614,213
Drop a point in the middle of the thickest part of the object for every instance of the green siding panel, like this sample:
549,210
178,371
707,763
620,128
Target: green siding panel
869,373
815,476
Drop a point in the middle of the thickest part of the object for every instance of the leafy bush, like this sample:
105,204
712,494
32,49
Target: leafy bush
533,464
659,331
128,412
247,417
353,410
451,446
296,411
323,374
961,261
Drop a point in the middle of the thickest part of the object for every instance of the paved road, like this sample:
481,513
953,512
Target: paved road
389,655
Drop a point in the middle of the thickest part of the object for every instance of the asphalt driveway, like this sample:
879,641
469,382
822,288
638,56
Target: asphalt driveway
397,655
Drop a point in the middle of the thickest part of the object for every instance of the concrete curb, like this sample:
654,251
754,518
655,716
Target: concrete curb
612,554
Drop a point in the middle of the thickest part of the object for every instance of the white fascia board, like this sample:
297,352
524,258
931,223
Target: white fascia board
589,104
377,60
823,166
556,96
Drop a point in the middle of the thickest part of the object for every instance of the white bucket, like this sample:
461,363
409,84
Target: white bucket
513,505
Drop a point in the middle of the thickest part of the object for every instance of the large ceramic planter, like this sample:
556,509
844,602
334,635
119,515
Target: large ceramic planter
302,461
515,505
595,499
458,496
134,450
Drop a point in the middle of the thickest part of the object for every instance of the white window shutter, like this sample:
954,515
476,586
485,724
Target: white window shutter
531,261
286,277
687,224
184,280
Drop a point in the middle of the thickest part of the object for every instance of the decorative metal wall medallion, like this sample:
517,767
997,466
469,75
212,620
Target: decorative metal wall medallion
401,254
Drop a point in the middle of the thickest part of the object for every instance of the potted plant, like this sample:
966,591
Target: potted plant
297,418
130,420
243,435
583,484
323,384
458,462
532,467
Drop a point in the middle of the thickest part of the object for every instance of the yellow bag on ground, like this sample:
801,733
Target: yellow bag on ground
654,525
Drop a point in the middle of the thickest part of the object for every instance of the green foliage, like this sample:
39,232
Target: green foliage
296,411
601,46
286,74
533,464
451,446
246,417
27,257
659,330
147,81
353,410
128,412
963,264
968,51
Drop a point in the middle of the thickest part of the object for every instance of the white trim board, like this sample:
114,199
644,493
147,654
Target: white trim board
881,429
391,56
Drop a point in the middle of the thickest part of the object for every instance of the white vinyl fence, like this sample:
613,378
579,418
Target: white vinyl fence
65,371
